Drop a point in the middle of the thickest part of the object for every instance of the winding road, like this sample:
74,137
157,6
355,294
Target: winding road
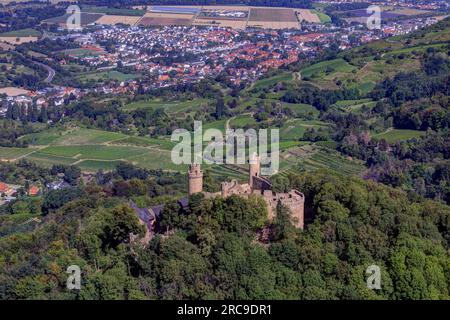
50,70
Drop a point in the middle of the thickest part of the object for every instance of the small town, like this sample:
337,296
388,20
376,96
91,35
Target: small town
176,55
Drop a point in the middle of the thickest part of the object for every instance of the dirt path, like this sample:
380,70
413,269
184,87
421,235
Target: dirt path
27,154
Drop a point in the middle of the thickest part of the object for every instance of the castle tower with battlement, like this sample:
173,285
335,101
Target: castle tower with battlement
195,175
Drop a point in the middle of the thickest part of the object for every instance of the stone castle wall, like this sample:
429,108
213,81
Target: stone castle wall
293,200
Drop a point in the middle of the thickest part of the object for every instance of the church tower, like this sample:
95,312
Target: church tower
195,179
255,168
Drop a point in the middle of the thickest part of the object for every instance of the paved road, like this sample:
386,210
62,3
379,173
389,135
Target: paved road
50,70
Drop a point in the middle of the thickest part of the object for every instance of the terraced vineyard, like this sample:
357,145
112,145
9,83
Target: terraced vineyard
313,158
226,173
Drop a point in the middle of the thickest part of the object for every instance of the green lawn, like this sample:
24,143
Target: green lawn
395,135
108,75
81,52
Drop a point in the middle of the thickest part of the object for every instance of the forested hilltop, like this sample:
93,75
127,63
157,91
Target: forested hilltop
214,249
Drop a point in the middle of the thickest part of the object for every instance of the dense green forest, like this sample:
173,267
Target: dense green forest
214,249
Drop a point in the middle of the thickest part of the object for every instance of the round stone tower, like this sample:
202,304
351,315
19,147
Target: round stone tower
255,168
195,179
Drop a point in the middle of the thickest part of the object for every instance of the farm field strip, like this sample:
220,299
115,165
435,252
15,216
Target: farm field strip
14,153
116,19
72,137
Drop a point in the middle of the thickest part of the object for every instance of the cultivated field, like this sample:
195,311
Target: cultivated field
93,149
307,15
272,14
86,19
18,40
13,92
7,154
114,19
394,135
238,17
311,158
115,11
409,11
163,19
293,130
6,46
223,14
21,33
272,18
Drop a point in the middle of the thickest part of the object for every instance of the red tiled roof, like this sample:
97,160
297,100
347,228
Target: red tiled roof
33,191
3,187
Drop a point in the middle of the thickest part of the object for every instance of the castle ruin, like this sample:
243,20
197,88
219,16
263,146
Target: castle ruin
257,185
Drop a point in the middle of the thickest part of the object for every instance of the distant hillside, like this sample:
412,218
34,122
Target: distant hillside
264,3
